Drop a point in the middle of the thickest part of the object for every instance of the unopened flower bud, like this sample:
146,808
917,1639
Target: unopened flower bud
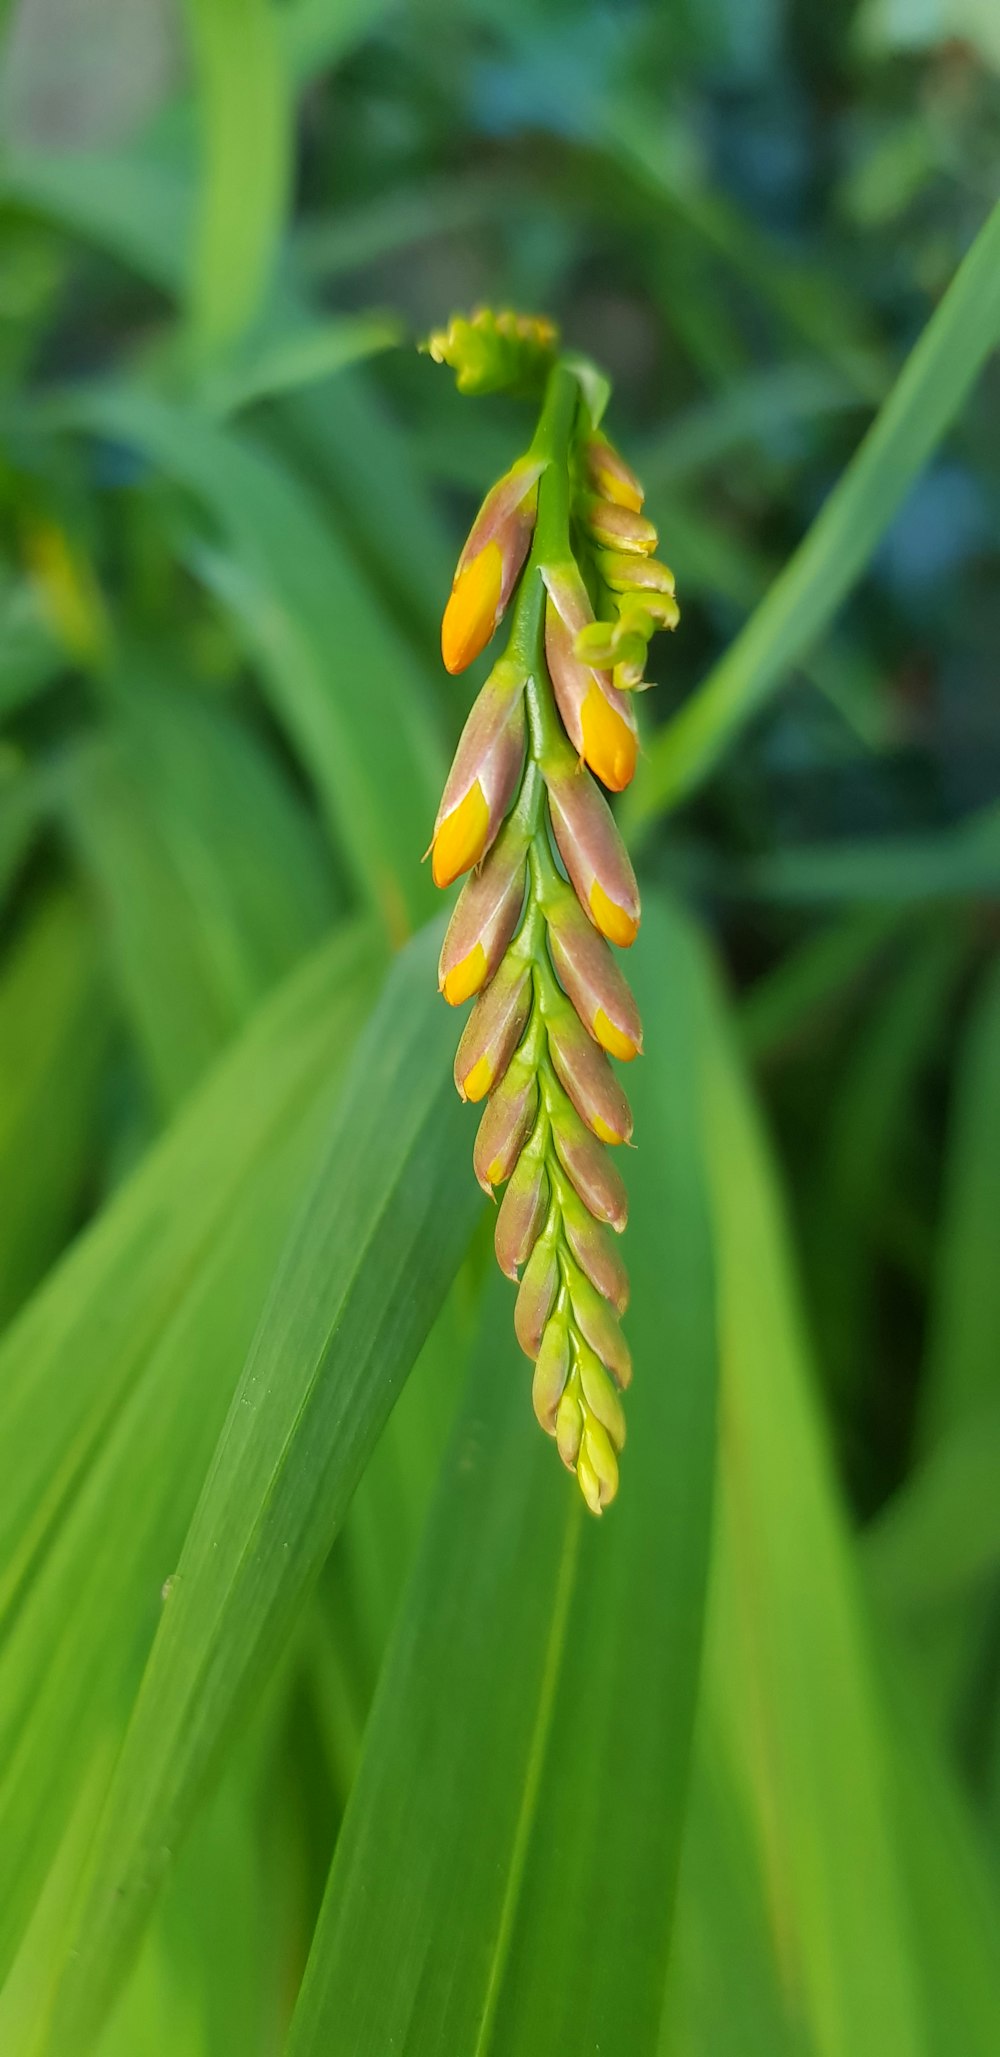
616,527
593,853
536,1296
569,1428
585,1074
598,720
522,1213
644,575
505,1126
600,1327
588,973
485,917
601,1396
483,778
551,1372
493,1030
612,477
595,1252
490,564
597,1467
593,1173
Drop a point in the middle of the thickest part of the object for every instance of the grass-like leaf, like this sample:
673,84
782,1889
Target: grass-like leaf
961,334
505,1876
363,1275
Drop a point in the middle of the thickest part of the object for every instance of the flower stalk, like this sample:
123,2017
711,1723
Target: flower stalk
550,885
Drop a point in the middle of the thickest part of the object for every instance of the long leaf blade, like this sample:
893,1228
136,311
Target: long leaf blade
505,1874
363,1275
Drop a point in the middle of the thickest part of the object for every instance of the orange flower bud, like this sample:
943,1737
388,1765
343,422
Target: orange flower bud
483,778
505,1126
613,478
593,853
588,973
493,1030
598,720
490,564
473,608
594,1175
585,1074
485,918
536,1297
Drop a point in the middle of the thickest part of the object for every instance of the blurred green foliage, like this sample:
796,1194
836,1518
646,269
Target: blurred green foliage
721,1776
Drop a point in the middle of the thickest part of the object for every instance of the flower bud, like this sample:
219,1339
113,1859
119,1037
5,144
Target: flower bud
485,917
493,1030
505,1126
593,1173
522,1214
490,564
616,527
640,574
483,778
598,720
588,973
611,476
600,1327
536,1296
593,853
595,1252
601,1396
569,1428
585,1074
597,1467
551,1372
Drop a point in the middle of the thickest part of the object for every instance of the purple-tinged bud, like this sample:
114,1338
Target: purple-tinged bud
522,1214
601,1396
595,1252
588,973
536,1296
593,852
485,917
619,528
585,1074
493,1030
505,1126
600,1327
593,1173
598,720
612,477
490,564
569,1428
483,778
597,1467
551,1372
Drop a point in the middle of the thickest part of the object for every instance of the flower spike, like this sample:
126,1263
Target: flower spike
562,545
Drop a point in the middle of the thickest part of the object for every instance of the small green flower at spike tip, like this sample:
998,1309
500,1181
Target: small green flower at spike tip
562,551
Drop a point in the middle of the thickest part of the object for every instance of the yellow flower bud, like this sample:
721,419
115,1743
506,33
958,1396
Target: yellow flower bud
473,608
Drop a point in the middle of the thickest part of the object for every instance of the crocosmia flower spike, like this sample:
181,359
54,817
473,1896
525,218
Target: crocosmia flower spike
563,555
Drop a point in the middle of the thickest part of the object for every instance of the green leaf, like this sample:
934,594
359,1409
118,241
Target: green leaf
105,1307
367,1266
961,1372
247,139
959,337
493,1888
790,1675
813,982
54,1021
904,870
209,874
296,353
341,680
